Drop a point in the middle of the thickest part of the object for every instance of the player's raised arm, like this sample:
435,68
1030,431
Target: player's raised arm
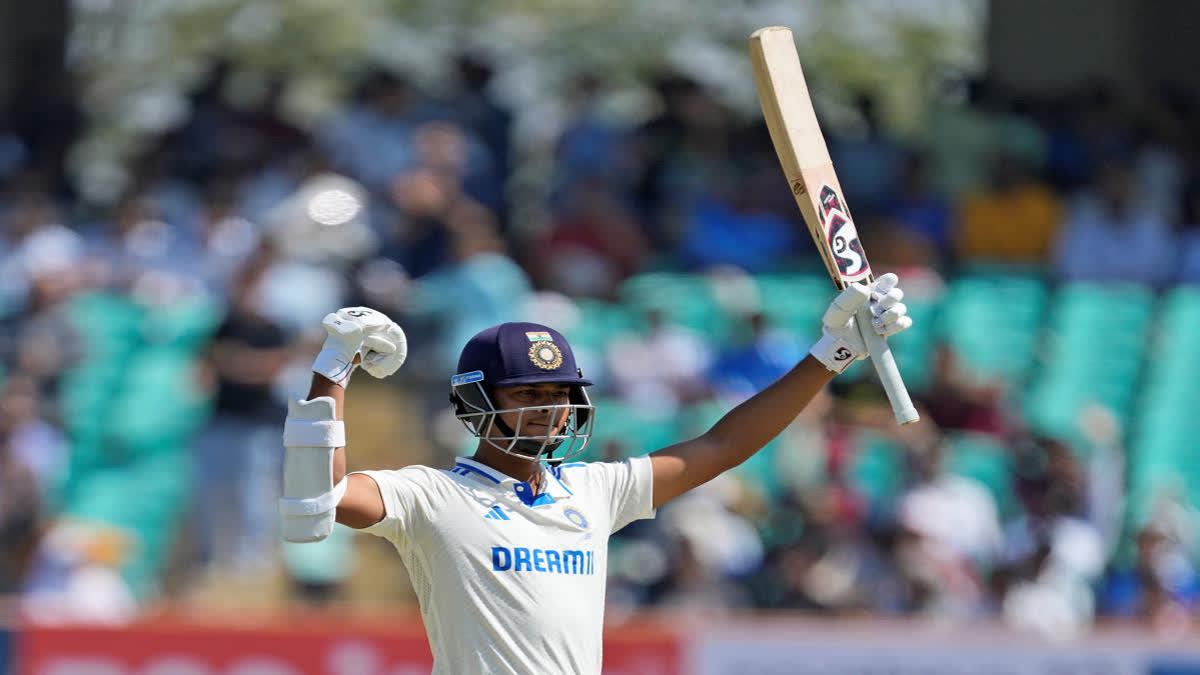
315,486
751,425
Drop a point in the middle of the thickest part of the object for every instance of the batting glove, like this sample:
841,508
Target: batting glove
363,332
841,343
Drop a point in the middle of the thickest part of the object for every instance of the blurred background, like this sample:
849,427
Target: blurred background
186,188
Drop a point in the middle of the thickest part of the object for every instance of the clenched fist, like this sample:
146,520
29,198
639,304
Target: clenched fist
360,332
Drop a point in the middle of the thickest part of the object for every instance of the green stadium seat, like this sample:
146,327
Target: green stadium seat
1097,335
914,347
877,470
684,300
186,325
628,431
987,460
987,348
109,325
601,321
796,303
158,404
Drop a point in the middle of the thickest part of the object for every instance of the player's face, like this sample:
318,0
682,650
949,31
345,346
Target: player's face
546,421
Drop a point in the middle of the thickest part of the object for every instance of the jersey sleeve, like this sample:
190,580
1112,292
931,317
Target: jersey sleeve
404,494
626,487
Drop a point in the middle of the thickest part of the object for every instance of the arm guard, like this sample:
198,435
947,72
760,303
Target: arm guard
310,435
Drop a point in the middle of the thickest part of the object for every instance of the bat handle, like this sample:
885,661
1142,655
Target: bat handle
885,366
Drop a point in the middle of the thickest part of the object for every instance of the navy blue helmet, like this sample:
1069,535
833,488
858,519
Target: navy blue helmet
513,354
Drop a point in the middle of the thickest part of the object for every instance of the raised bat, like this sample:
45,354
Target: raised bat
805,159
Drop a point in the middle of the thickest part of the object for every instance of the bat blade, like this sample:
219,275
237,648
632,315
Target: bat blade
804,157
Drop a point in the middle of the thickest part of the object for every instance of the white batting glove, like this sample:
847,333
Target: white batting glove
363,332
841,344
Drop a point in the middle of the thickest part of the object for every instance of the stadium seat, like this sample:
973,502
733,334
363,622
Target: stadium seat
624,430
186,325
986,459
145,499
796,303
683,299
1093,352
914,347
967,323
877,471
158,403
1162,443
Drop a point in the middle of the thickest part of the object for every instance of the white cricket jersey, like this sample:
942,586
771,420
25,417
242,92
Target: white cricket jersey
509,583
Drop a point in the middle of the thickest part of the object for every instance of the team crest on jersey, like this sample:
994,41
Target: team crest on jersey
577,519
545,355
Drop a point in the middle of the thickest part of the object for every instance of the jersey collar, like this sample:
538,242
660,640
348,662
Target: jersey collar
554,488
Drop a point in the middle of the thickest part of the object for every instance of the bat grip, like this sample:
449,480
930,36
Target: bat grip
885,367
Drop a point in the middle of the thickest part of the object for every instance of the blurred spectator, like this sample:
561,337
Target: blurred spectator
477,108
591,147
430,201
1189,233
146,256
419,239
22,516
479,286
594,244
956,400
371,137
950,535
451,150
205,141
1052,554
660,369
1012,217
1159,165
43,267
917,209
238,454
1110,234
226,238
35,246
263,128
695,587
1162,586
680,151
734,230
74,577
868,161
31,441
960,135
708,545
762,355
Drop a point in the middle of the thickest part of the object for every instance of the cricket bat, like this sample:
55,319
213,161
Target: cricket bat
800,146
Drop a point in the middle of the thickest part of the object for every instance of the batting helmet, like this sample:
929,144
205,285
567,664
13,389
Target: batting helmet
521,353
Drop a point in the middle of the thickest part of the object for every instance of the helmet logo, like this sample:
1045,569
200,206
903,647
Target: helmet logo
545,355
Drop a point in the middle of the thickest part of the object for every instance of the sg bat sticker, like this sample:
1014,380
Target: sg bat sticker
843,238
829,202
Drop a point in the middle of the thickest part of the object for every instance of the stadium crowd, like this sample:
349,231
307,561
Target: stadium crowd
148,345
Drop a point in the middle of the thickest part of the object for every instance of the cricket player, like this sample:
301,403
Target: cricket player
508,549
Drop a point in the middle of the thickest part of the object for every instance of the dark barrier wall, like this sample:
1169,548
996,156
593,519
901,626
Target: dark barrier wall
1036,47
